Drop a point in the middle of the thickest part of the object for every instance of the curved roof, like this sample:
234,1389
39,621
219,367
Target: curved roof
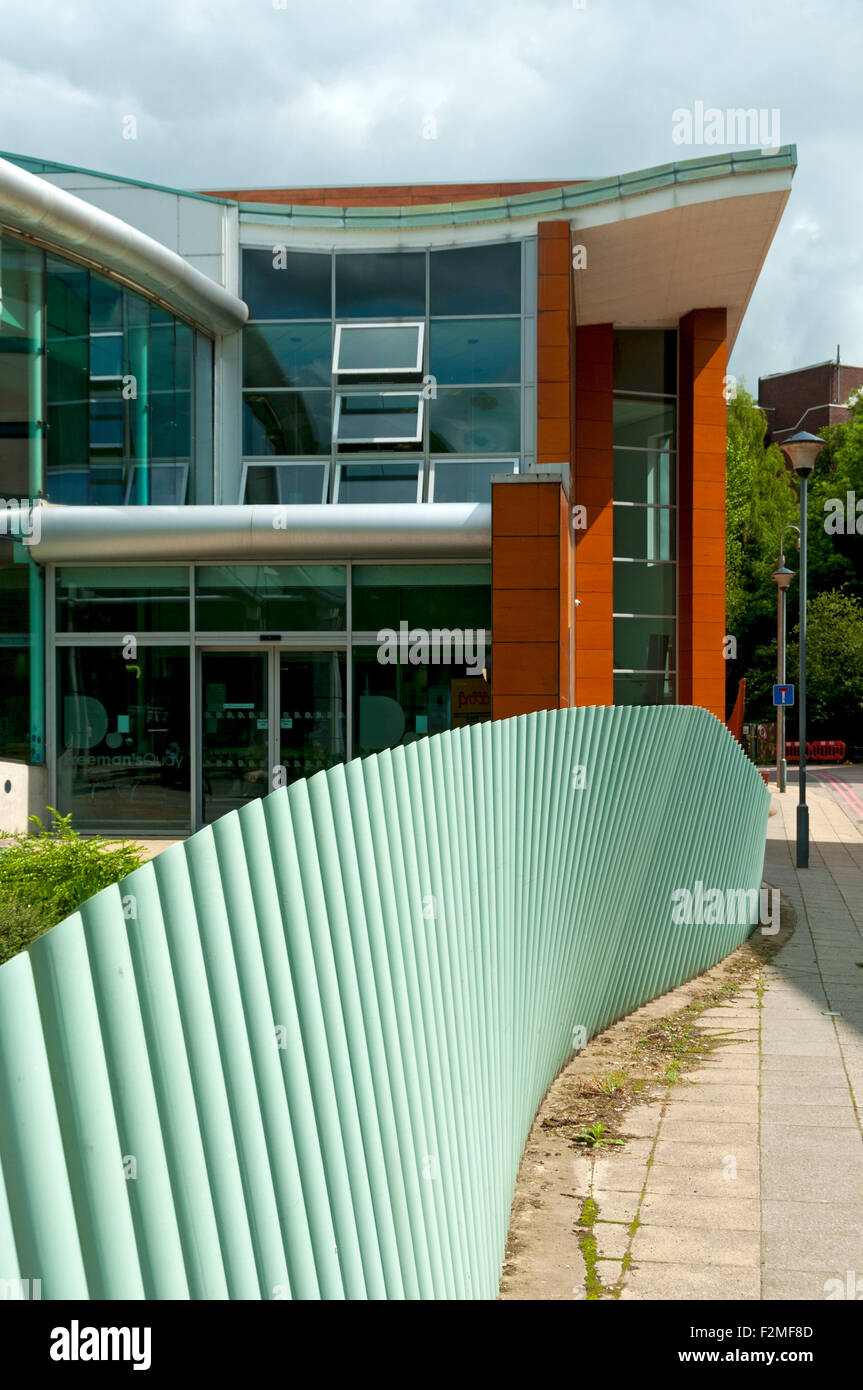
58,219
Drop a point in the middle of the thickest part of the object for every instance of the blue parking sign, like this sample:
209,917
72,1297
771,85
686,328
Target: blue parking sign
783,694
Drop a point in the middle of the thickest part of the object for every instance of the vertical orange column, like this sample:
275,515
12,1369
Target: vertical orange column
530,597
701,510
593,489
553,337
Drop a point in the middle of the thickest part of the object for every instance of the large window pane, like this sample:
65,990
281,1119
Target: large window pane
123,728
643,424
21,364
466,480
644,533
644,690
377,482
285,484
396,704
644,588
14,699
464,351
476,280
235,762
645,359
286,422
14,658
287,354
381,284
643,644
647,476
476,422
312,712
427,596
280,284
138,599
271,598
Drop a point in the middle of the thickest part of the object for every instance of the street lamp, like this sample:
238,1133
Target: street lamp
783,578
802,450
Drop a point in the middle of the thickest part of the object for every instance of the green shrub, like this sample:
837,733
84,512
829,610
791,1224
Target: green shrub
46,875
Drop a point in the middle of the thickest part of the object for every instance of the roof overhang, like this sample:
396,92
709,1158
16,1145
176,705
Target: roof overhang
246,535
654,256
58,220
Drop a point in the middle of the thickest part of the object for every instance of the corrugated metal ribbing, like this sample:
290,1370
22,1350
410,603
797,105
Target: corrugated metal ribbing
298,1056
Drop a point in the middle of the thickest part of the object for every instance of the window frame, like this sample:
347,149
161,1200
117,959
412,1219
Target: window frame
401,370
414,439
347,461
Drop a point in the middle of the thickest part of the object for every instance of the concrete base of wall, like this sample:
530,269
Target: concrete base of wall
23,791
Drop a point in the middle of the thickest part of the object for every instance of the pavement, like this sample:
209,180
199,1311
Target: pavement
745,1180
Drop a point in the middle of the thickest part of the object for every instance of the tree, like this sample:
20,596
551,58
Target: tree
834,663
760,500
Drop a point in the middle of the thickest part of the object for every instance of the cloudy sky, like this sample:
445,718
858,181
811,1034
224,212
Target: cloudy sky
280,92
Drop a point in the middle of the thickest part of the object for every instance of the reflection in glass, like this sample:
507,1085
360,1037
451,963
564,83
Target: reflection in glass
285,484
377,482
644,588
464,351
643,644
378,417
381,284
123,728
645,359
286,354
476,280
444,596
140,598
644,533
264,598
235,751
400,703
312,712
643,424
378,348
484,421
286,422
288,284
650,689
467,480
646,476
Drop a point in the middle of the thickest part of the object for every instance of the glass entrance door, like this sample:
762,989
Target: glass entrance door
268,718
312,700
235,730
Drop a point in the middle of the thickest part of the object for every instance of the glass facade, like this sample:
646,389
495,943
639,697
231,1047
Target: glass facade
160,726
358,357
97,389
645,516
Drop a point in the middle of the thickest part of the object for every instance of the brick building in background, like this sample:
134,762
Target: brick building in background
807,398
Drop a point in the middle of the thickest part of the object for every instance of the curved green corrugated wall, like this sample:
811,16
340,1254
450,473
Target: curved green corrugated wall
299,1055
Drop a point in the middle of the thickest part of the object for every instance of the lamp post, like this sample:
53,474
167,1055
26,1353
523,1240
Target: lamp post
783,578
802,450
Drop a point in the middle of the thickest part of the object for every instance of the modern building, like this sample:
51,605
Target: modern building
244,433
808,398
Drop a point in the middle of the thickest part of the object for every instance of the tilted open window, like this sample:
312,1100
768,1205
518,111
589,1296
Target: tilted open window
378,417
378,349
